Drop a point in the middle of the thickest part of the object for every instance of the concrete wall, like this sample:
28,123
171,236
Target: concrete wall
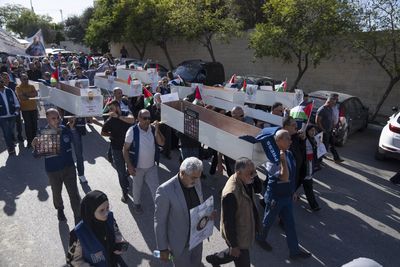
345,72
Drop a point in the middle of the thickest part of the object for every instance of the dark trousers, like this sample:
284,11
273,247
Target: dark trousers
18,124
166,131
7,126
31,122
309,192
119,164
283,207
78,149
66,176
329,141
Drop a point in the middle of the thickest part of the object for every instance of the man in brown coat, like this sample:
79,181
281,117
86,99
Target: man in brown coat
239,217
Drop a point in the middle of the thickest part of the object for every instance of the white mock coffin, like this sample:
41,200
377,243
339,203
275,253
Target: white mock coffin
261,97
110,82
148,76
216,130
81,102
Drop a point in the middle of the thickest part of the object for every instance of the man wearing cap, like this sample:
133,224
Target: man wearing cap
9,108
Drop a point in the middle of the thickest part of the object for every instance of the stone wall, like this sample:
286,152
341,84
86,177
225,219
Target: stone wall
345,72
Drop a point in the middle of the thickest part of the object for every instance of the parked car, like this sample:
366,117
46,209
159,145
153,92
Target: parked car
353,115
389,141
198,71
255,79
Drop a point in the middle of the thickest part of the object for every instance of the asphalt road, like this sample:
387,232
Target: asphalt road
360,215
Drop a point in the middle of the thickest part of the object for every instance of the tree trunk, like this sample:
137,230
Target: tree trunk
301,71
210,49
163,45
141,51
385,95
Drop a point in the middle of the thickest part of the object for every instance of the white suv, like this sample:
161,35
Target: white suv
389,141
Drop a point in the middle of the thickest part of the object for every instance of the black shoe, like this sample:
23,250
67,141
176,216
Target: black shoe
61,216
317,208
337,161
219,258
124,198
264,244
300,255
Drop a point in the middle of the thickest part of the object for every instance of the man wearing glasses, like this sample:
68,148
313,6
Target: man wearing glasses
141,151
239,216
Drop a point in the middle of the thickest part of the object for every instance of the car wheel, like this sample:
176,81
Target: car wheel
344,138
379,155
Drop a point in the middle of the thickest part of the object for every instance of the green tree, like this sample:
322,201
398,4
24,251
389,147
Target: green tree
25,23
202,20
378,37
300,30
75,26
248,11
162,27
102,27
138,29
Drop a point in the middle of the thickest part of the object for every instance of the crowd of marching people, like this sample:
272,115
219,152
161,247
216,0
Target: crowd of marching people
138,140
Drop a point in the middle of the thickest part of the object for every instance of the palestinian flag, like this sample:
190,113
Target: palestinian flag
244,86
281,87
54,76
233,79
302,111
129,79
148,96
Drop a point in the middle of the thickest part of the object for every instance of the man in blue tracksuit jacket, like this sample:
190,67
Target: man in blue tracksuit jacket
280,195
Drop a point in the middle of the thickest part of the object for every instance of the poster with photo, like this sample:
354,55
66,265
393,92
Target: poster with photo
201,227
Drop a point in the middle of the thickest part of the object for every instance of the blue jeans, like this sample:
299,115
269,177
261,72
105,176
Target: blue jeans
283,207
119,164
7,126
77,142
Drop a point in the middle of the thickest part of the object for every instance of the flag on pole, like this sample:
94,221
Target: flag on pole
244,86
129,79
197,94
54,77
233,79
302,111
281,87
148,96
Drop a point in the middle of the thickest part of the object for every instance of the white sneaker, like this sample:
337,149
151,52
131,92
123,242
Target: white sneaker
82,178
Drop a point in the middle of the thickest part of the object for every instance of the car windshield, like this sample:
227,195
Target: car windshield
187,72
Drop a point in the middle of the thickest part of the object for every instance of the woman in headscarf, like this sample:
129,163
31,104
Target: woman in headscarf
96,240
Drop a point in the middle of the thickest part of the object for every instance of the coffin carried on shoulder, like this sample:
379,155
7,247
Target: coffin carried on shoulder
148,76
83,102
110,82
251,96
213,129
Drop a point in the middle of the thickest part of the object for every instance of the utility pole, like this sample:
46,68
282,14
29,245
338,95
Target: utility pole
62,18
32,7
